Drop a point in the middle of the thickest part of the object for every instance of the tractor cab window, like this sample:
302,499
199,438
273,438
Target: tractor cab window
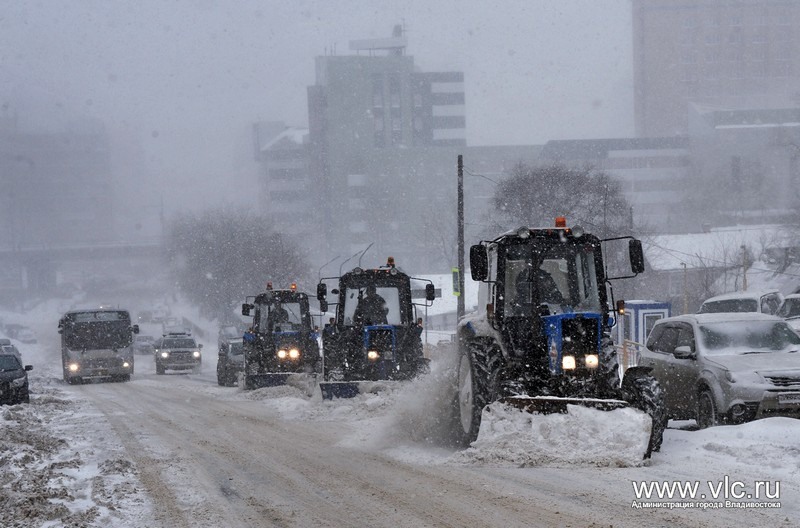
286,316
381,306
562,277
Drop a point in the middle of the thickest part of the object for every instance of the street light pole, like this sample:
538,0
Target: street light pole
460,306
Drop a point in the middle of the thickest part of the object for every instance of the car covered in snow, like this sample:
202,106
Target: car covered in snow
230,361
761,301
143,344
13,379
177,351
725,367
790,310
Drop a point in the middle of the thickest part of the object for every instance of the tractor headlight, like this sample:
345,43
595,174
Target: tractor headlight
592,361
196,353
282,354
74,367
17,383
294,353
568,362
372,355
165,355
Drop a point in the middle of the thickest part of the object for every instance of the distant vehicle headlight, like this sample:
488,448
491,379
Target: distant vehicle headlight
592,361
125,364
17,383
165,354
196,353
74,367
294,353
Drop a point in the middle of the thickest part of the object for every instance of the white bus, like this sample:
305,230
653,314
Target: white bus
97,344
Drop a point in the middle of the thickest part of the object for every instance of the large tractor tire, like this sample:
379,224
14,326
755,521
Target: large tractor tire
478,382
643,392
609,378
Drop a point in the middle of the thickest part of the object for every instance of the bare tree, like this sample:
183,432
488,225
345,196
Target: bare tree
219,257
534,196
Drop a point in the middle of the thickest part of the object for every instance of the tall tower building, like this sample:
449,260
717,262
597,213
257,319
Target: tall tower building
727,54
375,105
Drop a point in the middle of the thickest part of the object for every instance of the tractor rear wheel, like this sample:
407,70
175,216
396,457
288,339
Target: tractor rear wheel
478,373
643,392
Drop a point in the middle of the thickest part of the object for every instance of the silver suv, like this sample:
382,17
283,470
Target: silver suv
177,351
725,367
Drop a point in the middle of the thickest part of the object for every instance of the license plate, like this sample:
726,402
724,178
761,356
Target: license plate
791,398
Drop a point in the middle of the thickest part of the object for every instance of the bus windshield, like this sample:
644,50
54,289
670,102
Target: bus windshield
97,330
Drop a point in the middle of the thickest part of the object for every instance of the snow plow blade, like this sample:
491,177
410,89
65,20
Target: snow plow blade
351,389
555,405
338,389
260,381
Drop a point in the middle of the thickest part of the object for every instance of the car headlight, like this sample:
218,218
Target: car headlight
74,367
592,361
18,383
165,355
196,353
373,355
568,362
743,376
294,353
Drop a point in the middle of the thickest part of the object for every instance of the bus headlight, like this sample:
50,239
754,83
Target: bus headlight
282,354
196,353
294,353
568,362
372,355
592,361
165,355
125,364
74,367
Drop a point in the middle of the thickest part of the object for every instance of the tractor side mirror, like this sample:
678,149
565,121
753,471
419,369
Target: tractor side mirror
636,255
322,291
135,329
478,263
246,309
430,292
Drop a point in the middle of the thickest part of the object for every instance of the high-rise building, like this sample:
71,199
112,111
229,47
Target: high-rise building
376,105
730,54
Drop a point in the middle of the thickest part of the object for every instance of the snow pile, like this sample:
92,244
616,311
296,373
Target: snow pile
58,468
582,437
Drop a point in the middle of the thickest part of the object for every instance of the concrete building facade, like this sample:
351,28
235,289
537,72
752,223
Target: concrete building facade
731,54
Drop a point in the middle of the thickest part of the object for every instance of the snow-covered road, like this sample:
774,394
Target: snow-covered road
178,450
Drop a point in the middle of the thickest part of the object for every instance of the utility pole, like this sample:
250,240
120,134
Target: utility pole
744,267
460,306
685,290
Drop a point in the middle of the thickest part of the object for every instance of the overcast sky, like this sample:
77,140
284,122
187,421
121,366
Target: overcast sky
188,78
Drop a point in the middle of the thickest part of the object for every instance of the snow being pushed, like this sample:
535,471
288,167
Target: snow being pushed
584,437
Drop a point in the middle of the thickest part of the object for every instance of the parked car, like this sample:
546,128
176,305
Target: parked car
790,310
766,301
725,368
13,380
230,362
8,347
177,351
143,344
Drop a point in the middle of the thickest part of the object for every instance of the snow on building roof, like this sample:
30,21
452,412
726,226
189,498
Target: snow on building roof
720,247
294,135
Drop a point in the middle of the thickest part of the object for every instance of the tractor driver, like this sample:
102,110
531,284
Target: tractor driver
371,309
278,315
540,280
